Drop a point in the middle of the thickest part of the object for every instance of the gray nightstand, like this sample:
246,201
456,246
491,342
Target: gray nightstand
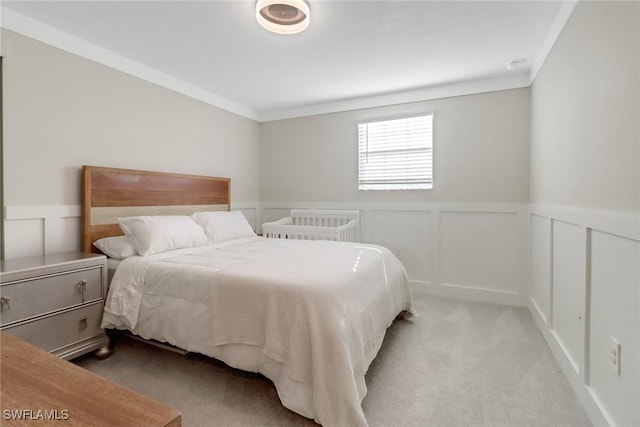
56,302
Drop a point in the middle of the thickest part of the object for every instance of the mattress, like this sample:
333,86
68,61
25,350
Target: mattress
309,315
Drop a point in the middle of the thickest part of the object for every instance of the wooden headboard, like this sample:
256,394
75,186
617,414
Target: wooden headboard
109,193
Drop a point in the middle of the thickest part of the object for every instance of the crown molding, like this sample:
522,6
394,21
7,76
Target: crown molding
489,84
44,33
566,10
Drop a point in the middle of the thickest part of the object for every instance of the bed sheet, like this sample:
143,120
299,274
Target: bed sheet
309,315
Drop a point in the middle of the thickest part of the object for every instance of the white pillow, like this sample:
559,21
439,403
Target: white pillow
222,225
115,247
153,234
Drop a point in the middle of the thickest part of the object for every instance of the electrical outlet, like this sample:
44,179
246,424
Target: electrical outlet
615,354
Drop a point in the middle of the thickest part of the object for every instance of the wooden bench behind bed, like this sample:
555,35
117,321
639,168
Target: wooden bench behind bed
109,193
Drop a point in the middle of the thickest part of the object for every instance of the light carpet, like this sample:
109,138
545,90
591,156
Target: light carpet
459,364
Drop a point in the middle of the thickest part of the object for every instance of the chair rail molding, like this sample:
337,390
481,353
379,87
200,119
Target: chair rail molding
37,230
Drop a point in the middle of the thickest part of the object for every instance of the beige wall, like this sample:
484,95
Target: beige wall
571,141
63,111
466,238
481,148
585,206
585,139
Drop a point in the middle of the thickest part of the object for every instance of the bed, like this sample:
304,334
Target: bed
309,315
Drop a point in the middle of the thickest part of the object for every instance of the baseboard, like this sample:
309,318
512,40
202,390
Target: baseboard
533,305
467,293
594,410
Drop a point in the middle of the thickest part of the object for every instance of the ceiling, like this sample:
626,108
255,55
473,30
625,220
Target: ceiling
354,54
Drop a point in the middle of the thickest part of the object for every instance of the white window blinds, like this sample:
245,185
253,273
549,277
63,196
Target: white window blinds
396,154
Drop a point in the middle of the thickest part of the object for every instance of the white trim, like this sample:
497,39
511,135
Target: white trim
53,238
595,410
566,10
39,212
547,317
256,211
533,305
490,84
566,353
436,222
551,231
470,293
245,205
53,217
586,362
624,224
514,208
433,283
70,211
42,32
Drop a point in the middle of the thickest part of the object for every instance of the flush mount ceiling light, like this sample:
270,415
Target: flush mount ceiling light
283,16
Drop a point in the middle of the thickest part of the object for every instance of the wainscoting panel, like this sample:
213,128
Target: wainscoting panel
251,212
409,235
540,266
615,314
63,236
37,230
470,251
569,269
588,262
583,282
482,250
274,214
24,237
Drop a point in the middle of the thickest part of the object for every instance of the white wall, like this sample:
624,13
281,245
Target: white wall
464,238
585,211
62,111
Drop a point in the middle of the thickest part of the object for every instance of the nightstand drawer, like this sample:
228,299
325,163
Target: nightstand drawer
28,298
61,329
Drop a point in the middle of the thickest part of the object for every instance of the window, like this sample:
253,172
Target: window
396,154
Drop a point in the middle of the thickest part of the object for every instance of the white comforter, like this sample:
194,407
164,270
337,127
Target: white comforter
312,314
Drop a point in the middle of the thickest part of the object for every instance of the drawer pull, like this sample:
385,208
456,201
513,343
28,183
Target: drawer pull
4,302
83,287
83,322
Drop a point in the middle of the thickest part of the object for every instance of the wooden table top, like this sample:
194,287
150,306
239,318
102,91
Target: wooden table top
37,388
